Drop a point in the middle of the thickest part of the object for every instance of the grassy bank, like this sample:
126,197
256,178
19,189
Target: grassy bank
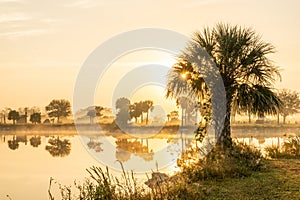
279,180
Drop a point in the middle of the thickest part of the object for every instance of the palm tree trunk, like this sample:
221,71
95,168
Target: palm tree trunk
284,117
147,117
249,116
225,139
181,116
278,118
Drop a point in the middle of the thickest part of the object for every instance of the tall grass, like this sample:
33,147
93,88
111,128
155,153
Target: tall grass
289,149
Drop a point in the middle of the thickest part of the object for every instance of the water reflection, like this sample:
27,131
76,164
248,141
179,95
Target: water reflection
126,150
57,147
95,145
134,146
35,141
13,144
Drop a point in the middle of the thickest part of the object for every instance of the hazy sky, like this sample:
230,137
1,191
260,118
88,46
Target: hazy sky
44,43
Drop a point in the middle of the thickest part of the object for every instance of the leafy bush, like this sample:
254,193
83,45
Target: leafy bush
238,161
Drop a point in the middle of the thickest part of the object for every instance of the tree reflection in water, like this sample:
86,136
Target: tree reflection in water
13,144
136,147
122,155
96,146
58,147
35,141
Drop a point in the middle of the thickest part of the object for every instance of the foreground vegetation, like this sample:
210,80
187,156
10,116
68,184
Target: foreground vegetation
238,173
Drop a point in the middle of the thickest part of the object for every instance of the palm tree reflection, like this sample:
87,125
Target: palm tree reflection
136,147
35,141
58,147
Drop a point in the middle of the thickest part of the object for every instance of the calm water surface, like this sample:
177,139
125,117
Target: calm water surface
28,162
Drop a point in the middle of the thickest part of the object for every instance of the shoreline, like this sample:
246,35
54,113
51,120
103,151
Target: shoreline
250,130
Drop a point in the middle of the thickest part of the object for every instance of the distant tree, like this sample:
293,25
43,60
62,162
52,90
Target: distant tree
92,114
122,103
168,116
58,147
174,115
123,115
148,105
35,118
290,103
13,115
188,108
136,110
5,112
98,110
59,108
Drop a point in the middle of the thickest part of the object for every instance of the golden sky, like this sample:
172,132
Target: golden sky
44,43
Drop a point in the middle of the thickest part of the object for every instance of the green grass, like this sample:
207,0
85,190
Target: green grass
280,180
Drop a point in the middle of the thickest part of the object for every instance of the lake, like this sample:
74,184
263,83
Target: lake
28,161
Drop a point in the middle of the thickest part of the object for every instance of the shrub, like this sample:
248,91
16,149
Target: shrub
238,161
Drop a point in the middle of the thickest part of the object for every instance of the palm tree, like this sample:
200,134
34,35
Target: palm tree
92,114
241,59
148,105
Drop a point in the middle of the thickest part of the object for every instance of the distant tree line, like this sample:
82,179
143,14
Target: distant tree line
55,109
127,111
